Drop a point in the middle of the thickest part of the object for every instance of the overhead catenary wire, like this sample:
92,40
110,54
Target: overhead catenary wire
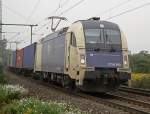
15,12
18,14
65,11
41,27
34,9
13,36
64,3
70,8
116,6
59,6
128,11
54,11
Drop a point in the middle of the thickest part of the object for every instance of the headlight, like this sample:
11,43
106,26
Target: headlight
125,62
82,59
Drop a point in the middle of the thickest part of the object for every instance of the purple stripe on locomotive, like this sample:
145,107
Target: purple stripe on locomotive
14,59
29,57
104,59
53,51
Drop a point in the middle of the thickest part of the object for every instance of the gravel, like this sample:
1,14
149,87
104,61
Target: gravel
48,93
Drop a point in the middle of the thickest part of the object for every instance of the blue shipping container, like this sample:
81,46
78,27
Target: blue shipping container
29,57
14,59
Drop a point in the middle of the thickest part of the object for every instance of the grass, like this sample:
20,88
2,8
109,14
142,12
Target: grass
2,76
140,80
10,92
10,102
34,106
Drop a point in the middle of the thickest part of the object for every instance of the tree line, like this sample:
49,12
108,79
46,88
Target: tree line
140,62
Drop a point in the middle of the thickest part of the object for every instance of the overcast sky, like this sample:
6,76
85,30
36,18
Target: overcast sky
136,24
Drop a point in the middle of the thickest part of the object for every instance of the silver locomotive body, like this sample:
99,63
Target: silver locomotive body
96,55
91,55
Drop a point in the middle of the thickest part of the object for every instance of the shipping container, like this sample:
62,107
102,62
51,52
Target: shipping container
14,55
38,57
53,50
29,57
19,61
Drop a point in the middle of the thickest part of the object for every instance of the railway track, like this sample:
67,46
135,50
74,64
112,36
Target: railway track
136,104
126,105
135,91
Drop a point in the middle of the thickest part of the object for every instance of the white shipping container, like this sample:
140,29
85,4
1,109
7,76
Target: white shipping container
38,58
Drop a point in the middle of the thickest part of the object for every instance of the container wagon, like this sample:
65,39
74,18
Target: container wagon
29,58
14,59
19,60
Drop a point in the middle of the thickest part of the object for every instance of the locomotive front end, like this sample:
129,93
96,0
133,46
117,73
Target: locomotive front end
106,57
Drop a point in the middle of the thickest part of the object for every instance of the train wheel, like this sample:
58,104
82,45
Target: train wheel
65,81
45,77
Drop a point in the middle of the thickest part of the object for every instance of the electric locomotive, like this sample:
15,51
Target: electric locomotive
91,55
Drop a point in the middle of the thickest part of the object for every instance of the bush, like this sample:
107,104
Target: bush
2,76
141,81
10,92
33,106
140,62
1,68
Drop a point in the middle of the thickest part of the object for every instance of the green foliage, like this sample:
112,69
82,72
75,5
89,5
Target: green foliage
140,62
2,76
142,82
33,106
10,92
1,68
2,79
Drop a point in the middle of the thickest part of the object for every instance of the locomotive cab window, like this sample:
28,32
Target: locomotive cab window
93,36
72,39
112,36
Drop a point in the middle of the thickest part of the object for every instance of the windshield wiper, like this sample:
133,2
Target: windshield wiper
97,49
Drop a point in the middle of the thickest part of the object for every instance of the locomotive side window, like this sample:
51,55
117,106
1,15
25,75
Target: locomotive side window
73,39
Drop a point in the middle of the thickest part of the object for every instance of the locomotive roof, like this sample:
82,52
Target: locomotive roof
55,34
94,24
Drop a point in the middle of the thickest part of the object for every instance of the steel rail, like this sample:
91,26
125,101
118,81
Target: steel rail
113,104
135,91
131,100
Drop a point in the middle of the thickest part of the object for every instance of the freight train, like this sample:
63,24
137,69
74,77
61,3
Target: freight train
91,55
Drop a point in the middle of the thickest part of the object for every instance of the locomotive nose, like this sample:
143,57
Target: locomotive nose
104,77
104,59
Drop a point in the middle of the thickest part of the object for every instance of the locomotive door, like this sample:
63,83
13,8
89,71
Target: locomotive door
72,55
